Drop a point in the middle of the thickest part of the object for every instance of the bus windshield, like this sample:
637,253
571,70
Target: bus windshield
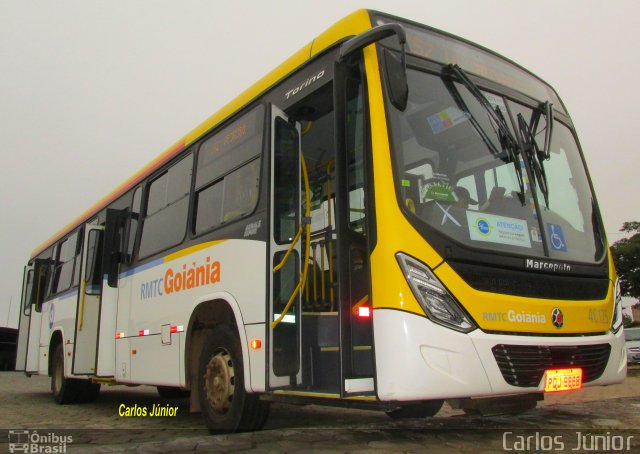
456,172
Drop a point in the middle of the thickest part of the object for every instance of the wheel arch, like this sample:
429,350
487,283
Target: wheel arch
219,309
57,338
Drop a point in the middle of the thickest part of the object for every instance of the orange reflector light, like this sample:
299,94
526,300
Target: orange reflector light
256,344
364,311
562,380
120,335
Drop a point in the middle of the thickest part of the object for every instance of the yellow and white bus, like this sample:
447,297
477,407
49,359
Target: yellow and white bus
391,218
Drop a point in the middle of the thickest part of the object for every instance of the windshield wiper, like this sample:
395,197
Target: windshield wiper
532,151
508,143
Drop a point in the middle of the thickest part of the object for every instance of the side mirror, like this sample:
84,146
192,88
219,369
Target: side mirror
395,66
396,79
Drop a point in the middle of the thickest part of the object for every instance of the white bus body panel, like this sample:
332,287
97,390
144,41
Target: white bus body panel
106,361
84,357
33,344
88,313
60,316
419,360
166,291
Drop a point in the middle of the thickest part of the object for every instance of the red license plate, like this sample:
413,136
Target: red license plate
562,380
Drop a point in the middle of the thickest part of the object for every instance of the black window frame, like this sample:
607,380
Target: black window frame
77,259
260,156
188,153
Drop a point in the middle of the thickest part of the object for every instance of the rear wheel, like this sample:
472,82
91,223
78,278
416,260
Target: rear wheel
69,390
90,391
65,390
425,409
225,404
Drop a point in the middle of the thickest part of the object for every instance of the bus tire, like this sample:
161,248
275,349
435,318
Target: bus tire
171,392
65,390
425,409
89,392
225,404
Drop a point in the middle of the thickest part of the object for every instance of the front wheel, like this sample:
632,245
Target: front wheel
225,404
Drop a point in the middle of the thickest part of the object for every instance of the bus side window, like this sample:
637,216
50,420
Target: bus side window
27,298
165,220
355,149
67,265
93,271
228,172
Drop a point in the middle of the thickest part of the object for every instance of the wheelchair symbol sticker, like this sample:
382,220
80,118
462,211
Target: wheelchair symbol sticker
556,238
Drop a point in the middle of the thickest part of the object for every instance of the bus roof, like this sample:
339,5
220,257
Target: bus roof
353,24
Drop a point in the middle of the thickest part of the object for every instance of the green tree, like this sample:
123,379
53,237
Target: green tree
626,256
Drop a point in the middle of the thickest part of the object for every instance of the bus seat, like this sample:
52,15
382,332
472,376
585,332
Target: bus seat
496,200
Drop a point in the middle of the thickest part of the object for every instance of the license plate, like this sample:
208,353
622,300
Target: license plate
562,380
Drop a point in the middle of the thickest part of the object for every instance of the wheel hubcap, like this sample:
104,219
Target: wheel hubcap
220,382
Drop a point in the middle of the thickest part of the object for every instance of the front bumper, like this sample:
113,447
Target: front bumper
417,359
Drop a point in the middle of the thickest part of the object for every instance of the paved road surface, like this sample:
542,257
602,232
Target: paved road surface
610,413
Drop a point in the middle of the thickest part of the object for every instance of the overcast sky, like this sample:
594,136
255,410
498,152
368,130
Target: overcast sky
90,91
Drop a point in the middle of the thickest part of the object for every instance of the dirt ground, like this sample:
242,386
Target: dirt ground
26,404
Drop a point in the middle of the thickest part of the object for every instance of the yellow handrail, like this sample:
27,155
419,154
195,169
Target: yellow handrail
286,256
307,226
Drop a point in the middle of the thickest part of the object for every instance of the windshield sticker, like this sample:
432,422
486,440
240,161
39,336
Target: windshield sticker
556,238
498,229
437,188
447,216
406,183
446,119
495,101
535,235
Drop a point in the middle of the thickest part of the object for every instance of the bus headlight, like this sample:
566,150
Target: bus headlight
617,320
439,305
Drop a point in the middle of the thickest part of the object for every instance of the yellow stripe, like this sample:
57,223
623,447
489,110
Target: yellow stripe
323,395
103,381
191,250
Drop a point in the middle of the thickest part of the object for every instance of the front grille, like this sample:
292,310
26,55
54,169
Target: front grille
530,284
524,365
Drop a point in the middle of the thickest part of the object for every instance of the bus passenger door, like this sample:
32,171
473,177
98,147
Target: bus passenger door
285,253
88,309
36,293
25,318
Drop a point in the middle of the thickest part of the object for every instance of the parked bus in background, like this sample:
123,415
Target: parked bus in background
392,218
